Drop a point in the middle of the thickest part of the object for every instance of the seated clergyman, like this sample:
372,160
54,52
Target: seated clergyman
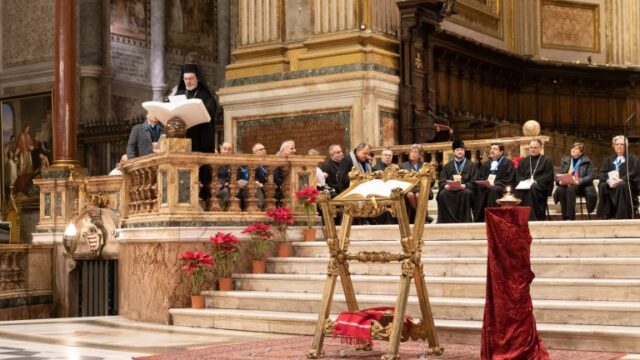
493,178
456,184
534,178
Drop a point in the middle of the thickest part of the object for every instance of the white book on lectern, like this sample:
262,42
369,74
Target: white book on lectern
377,187
192,111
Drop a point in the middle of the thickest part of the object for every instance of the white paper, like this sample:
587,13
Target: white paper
525,184
492,178
177,98
614,175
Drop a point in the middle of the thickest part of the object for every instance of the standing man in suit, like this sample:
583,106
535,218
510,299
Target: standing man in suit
143,136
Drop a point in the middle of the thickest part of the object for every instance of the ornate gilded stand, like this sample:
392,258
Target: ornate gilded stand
391,327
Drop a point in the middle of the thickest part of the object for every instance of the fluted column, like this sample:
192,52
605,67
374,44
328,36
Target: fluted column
65,110
260,21
622,32
158,41
525,27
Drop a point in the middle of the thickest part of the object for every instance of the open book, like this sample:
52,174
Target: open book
192,111
377,187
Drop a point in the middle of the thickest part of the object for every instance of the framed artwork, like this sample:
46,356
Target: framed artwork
26,142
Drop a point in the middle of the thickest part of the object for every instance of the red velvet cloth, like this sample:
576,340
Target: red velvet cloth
509,327
354,327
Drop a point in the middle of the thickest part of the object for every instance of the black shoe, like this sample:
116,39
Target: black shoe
429,219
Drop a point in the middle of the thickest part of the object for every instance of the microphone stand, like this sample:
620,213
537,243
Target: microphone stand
626,161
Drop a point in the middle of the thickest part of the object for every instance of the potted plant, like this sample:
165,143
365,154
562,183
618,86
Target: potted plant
196,265
261,241
281,218
307,197
225,250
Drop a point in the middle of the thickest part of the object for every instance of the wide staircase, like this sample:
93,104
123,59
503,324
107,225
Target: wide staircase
586,293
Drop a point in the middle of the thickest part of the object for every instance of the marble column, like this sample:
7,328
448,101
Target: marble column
91,52
65,94
224,36
158,43
623,37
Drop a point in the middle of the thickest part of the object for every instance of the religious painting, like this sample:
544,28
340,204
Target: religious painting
129,18
192,25
26,142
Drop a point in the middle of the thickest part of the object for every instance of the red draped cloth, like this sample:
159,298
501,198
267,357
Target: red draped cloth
509,328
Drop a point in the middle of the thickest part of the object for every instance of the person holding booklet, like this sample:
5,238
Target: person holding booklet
493,178
456,187
534,178
615,201
575,179
414,163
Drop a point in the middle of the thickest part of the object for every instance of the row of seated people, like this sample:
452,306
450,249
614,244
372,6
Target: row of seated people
465,188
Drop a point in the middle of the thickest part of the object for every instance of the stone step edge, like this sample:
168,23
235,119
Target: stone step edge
477,280
481,260
587,305
609,330
435,242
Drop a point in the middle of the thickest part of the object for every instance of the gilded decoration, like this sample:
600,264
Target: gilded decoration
27,32
370,194
484,16
570,26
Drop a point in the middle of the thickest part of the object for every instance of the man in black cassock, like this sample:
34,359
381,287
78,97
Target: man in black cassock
615,201
192,84
536,170
454,205
331,167
500,173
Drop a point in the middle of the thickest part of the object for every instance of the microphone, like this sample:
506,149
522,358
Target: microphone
626,156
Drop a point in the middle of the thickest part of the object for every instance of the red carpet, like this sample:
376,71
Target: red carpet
297,347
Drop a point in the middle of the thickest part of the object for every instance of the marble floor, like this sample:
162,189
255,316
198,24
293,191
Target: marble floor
97,338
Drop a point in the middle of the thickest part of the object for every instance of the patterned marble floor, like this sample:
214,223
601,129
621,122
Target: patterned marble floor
105,338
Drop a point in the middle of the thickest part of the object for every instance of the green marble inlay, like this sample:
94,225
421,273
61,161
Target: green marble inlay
341,118
184,186
165,187
58,202
299,74
56,174
47,204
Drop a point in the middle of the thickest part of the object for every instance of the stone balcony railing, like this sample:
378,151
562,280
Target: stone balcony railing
163,190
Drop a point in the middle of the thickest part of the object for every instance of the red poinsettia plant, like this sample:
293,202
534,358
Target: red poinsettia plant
308,197
196,265
261,239
281,218
226,248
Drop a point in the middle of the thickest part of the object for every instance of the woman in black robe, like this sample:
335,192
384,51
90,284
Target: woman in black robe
581,169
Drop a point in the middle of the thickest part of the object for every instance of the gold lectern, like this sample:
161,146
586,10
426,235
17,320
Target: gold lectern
369,196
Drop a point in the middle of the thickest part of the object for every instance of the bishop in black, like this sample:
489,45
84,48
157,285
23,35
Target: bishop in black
538,168
500,173
192,84
454,205
615,200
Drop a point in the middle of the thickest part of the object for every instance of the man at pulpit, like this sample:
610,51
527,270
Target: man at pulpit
493,178
456,187
534,179
192,84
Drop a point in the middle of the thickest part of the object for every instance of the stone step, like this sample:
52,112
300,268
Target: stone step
610,268
588,229
596,247
547,311
557,336
474,287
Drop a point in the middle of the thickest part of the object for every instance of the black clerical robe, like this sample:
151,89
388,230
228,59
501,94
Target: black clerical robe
331,167
616,203
454,206
487,196
583,170
536,196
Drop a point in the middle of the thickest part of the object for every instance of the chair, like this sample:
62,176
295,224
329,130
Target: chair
582,202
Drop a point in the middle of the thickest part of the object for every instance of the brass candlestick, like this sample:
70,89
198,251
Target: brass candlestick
508,199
